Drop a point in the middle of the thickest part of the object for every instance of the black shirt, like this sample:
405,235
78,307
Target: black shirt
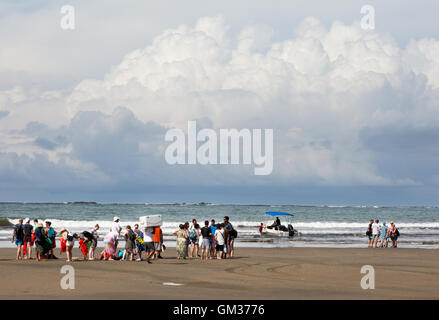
206,232
19,233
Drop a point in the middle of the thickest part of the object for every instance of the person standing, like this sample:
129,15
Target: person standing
383,235
157,237
18,237
212,239
51,234
394,235
230,237
188,241
182,236
130,245
148,240
220,240
205,244
369,234
194,236
27,245
116,229
40,240
140,247
375,233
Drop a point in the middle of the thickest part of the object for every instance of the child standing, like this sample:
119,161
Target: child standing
130,238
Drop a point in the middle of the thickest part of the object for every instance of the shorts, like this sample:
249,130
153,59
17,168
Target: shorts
219,247
149,246
157,246
193,241
205,244
18,242
28,239
94,243
212,243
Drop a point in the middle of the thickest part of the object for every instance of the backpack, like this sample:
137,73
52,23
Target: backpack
40,236
19,232
193,235
51,233
234,233
397,232
132,236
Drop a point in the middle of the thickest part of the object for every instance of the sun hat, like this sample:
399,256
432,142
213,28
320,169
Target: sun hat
62,230
40,225
27,219
116,218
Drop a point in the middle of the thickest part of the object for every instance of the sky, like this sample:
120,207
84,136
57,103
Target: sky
354,112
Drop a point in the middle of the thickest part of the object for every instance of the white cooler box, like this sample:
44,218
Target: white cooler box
151,221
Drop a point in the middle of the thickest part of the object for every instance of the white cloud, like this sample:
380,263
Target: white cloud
318,90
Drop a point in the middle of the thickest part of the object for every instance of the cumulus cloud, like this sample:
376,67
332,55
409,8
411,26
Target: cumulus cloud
337,99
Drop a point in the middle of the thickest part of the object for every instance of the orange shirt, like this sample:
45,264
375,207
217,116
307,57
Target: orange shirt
157,234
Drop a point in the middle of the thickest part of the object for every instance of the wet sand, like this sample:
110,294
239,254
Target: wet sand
281,273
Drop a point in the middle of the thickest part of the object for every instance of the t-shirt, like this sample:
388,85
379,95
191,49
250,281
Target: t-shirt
375,228
27,228
219,235
213,229
147,235
115,227
157,234
206,232
383,231
228,226
19,232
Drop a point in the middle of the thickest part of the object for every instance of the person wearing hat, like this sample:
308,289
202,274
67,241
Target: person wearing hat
27,244
40,238
383,235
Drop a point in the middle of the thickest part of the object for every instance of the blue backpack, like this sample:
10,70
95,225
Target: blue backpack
193,235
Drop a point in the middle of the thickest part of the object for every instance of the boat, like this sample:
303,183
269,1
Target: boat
280,230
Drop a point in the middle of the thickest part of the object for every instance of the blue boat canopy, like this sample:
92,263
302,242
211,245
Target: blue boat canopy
274,213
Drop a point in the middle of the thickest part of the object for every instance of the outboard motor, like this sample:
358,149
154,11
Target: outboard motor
290,230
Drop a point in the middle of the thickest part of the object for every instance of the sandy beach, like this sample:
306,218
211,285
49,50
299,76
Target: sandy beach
290,273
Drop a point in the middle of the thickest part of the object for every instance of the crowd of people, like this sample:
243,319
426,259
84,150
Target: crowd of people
216,241
379,236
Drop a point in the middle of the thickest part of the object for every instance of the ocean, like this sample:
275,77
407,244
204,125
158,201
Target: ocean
318,226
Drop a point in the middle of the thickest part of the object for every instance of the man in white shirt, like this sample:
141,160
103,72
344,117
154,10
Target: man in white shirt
148,242
219,237
115,226
375,232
